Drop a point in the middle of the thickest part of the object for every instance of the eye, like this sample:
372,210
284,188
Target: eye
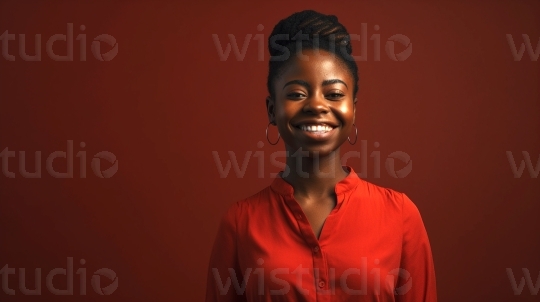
295,95
335,95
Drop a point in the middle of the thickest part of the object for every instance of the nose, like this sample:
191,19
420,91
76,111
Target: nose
316,104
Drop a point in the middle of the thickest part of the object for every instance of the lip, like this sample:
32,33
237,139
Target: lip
315,122
318,136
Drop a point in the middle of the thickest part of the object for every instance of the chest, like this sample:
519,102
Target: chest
316,213
353,252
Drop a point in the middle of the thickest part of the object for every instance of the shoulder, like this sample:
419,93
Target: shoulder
386,196
379,191
243,206
398,206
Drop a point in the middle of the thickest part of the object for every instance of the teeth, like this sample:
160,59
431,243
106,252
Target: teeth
316,128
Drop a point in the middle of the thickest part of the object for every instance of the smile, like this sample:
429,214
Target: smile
316,131
315,128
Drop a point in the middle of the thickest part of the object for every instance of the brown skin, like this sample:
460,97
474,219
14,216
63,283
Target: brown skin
302,96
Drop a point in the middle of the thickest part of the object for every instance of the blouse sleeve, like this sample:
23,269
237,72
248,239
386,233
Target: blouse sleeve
224,279
416,282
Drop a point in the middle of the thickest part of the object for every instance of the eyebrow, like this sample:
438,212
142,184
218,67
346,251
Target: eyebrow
306,84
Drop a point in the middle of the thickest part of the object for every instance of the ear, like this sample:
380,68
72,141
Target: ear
354,109
270,107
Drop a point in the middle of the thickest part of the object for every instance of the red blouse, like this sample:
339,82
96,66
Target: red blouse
373,247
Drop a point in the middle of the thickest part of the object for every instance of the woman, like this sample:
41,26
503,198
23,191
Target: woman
319,232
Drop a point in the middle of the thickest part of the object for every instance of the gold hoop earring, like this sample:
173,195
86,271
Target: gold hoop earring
356,135
279,135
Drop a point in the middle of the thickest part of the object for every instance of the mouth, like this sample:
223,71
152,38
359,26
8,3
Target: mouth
315,128
316,131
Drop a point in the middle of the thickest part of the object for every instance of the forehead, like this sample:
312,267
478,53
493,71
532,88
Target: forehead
315,66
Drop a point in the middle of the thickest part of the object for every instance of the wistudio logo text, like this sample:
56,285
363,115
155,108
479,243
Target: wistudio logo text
58,38
240,170
518,54
5,154
95,281
224,48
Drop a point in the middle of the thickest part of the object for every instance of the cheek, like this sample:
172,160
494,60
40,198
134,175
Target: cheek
282,118
346,111
285,111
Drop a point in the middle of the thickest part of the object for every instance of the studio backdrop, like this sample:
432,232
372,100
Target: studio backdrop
127,128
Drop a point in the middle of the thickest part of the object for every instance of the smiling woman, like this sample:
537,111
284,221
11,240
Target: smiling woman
318,232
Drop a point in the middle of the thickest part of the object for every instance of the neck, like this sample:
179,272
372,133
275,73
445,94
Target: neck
314,176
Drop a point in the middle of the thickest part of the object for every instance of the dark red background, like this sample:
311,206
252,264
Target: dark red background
167,101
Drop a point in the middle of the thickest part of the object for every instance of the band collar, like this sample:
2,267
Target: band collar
282,187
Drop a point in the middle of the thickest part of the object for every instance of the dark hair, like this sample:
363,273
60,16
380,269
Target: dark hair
308,29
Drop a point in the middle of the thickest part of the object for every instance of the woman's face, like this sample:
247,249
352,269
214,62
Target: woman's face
314,106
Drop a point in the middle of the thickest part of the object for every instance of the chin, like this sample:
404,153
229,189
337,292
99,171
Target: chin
314,151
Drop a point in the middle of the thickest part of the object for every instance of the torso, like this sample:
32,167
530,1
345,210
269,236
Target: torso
364,231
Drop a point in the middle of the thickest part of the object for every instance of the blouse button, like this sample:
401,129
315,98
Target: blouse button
321,283
316,249
299,217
